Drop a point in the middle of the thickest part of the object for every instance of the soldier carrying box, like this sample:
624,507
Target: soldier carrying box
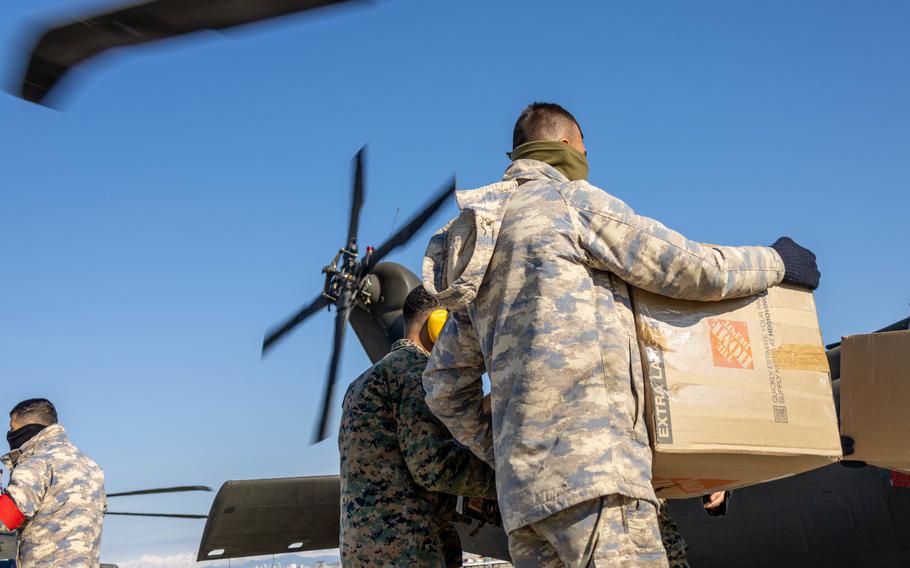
536,271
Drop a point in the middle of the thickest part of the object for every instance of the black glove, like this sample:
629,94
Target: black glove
800,268
846,444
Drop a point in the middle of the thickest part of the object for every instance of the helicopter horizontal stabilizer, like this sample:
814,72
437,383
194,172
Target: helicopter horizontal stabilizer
272,516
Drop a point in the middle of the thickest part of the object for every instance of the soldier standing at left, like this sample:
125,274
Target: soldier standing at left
397,458
55,496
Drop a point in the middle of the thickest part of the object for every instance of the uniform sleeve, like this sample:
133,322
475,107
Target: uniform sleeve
28,484
436,461
454,386
648,255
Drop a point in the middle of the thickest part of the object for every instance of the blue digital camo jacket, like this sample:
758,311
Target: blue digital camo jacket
60,491
537,271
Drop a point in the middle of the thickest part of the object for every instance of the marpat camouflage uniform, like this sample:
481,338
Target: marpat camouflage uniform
674,543
537,271
60,491
395,454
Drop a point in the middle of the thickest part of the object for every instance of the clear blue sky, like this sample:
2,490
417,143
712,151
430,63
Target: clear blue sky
188,194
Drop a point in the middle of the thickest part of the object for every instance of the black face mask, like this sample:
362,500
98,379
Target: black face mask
18,437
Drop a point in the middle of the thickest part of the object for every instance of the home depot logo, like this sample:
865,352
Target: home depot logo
730,344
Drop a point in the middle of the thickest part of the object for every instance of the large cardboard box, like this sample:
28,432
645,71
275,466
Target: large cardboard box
737,392
875,397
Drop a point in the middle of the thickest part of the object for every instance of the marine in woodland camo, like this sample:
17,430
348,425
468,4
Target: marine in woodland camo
60,491
674,543
538,269
396,457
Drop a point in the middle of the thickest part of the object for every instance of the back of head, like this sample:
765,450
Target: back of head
543,121
417,306
35,411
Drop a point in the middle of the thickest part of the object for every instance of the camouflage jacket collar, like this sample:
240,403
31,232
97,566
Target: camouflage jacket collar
458,255
52,432
407,343
533,170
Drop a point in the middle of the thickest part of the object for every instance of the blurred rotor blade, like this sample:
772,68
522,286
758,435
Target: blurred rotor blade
61,48
898,326
345,304
356,198
280,331
166,515
180,489
413,225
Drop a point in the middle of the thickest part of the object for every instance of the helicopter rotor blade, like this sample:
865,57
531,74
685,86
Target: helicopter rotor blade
345,303
57,49
356,198
278,332
165,515
180,489
413,225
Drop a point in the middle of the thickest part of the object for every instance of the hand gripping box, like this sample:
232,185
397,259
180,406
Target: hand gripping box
737,391
874,397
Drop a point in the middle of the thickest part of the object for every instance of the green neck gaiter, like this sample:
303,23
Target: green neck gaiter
572,163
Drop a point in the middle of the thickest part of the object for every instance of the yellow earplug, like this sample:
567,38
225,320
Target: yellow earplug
435,322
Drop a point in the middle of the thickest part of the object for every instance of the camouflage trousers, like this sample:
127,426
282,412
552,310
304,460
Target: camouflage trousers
674,543
427,543
612,531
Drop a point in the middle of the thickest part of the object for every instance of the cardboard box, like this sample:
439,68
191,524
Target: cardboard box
737,392
875,396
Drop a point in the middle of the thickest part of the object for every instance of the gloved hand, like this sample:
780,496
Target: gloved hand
800,268
846,444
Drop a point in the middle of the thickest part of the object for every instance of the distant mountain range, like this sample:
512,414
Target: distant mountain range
315,559
291,561
326,559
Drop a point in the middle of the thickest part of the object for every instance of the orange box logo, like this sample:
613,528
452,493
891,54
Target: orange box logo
730,344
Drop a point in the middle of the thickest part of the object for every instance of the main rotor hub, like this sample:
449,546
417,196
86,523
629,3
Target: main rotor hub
344,274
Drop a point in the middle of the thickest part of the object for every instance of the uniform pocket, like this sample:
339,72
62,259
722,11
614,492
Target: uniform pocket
642,526
629,536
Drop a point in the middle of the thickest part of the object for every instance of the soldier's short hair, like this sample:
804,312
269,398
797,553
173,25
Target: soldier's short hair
35,411
418,304
542,121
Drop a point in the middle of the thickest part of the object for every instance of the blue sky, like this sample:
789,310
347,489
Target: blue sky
186,196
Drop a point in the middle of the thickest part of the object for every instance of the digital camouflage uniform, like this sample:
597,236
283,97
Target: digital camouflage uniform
611,531
395,457
60,491
536,270
532,550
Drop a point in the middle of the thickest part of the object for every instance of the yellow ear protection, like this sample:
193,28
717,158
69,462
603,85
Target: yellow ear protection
435,322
